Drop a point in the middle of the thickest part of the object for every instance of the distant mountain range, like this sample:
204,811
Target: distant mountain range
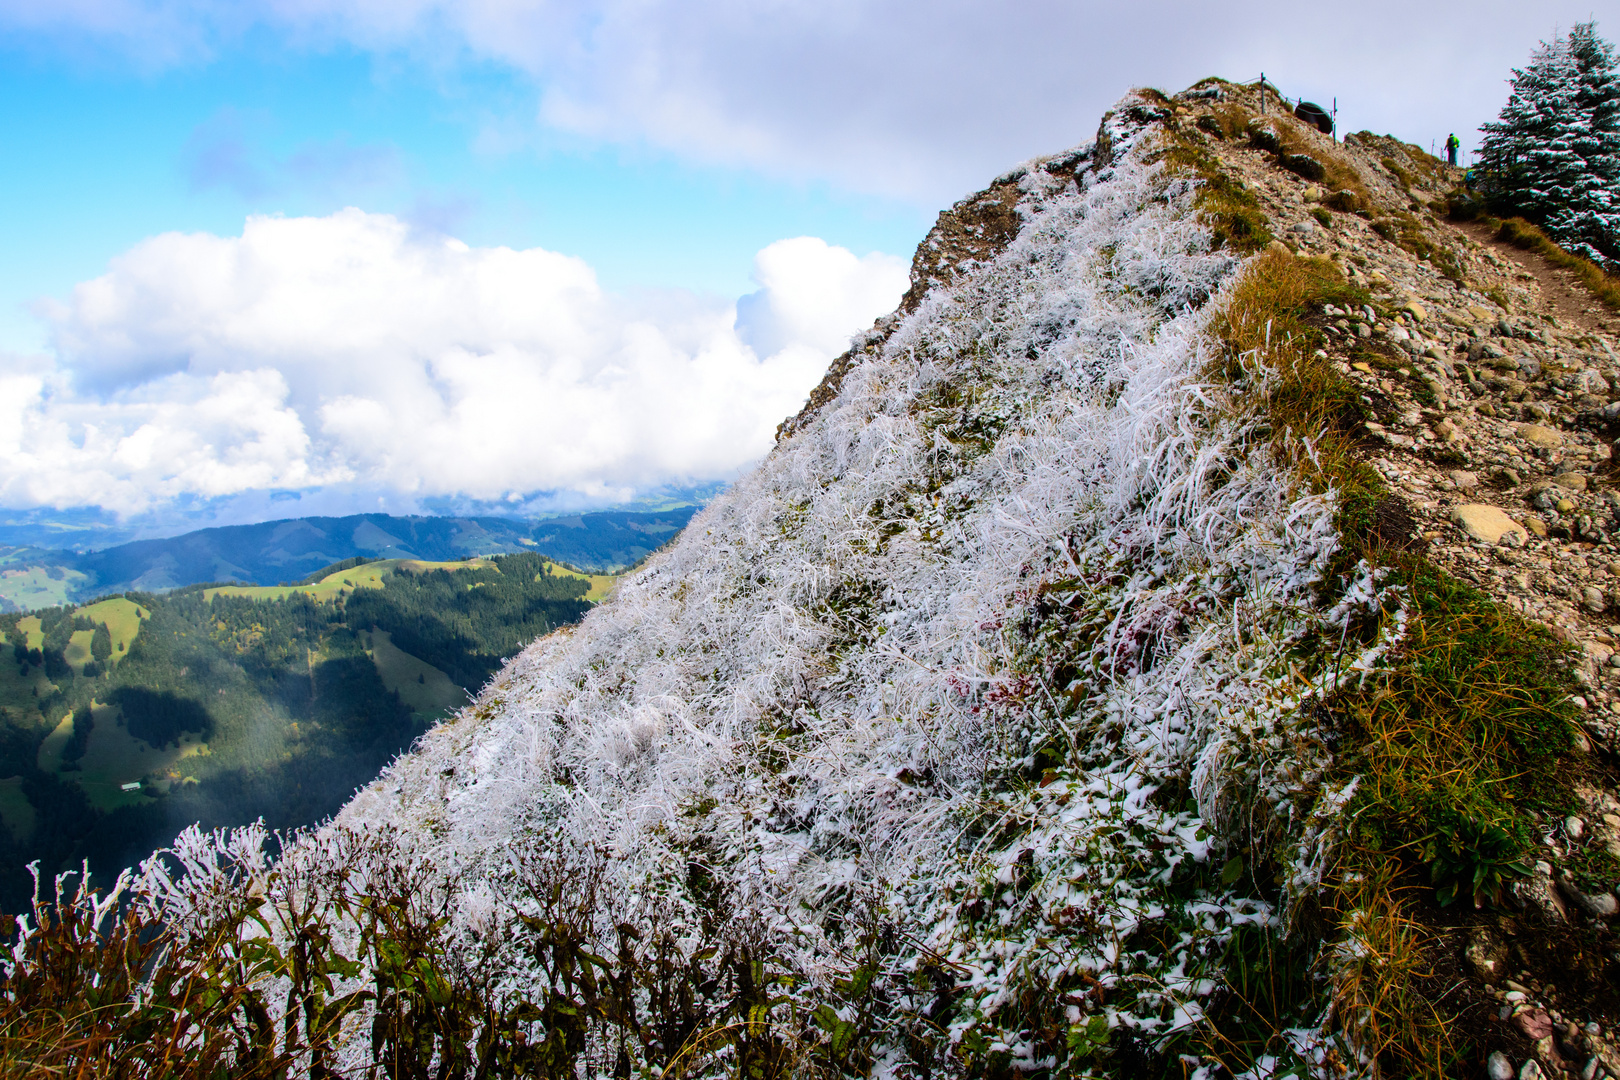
273,552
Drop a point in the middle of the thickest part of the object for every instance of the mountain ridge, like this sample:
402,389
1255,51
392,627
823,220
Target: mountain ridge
274,552
1113,671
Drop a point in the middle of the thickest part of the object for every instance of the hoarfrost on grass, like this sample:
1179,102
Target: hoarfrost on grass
836,684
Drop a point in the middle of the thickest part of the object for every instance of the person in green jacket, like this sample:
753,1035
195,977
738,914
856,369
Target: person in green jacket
1451,149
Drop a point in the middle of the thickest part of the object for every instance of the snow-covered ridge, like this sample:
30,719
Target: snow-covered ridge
991,651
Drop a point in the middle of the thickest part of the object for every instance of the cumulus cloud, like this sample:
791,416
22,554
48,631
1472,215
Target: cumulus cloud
351,349
921,100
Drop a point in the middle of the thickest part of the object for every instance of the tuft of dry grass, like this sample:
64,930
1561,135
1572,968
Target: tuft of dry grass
1381,962
1305,397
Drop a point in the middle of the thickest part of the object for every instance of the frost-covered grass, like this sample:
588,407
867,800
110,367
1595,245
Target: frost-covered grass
1000,644
985,728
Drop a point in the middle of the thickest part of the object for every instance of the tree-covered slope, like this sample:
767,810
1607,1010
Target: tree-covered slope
132,718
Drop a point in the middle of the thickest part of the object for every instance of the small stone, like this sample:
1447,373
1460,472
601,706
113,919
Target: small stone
1377,278
1486,523
1536,525
1280,248
1531,1071
1564,506
1312,193
1575,827
1362,329
1415,309
1498,1067
1545,438
1446,430
1593,600
1365,369
1465,480
1486,953
1570,481
1510,477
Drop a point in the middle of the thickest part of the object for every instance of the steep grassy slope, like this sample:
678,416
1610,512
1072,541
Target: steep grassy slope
1067,694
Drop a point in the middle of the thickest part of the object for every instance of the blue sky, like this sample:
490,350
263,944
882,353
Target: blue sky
287,256
103,154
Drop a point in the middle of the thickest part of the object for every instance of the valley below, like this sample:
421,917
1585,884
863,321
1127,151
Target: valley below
125,720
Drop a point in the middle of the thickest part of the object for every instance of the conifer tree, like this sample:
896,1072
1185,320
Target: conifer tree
1553,155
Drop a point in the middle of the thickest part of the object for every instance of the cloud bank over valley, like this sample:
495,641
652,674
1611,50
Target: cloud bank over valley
353,351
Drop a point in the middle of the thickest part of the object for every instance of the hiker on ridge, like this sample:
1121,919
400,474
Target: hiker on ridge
1451,149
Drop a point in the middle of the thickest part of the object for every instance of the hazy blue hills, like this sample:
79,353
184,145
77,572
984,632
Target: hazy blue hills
274,552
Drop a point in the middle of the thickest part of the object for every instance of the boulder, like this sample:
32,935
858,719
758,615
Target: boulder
1302,165
1570,481
1487,523
1542,438
1263,135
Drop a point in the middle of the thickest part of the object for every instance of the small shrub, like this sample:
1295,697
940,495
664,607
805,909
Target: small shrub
1469,858
1345,201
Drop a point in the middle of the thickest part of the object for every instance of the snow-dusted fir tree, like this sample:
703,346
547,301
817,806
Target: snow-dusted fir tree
1553,155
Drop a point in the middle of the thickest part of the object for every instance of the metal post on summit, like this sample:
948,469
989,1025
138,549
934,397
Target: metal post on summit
1334,134
1262,93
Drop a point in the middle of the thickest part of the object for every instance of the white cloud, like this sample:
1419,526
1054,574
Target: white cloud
895,96
809,290
351,350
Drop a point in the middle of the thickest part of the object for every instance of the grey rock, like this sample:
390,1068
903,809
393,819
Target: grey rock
1538,891
1498,1067
1590,381
1601,905
1465,480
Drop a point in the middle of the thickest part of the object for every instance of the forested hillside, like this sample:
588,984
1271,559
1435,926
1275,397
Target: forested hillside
125,720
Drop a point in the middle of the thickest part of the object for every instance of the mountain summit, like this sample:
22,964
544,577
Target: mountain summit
1138,658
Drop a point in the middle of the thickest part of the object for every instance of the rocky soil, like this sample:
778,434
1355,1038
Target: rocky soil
1496,391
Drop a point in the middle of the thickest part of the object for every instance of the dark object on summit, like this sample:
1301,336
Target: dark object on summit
1312,113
